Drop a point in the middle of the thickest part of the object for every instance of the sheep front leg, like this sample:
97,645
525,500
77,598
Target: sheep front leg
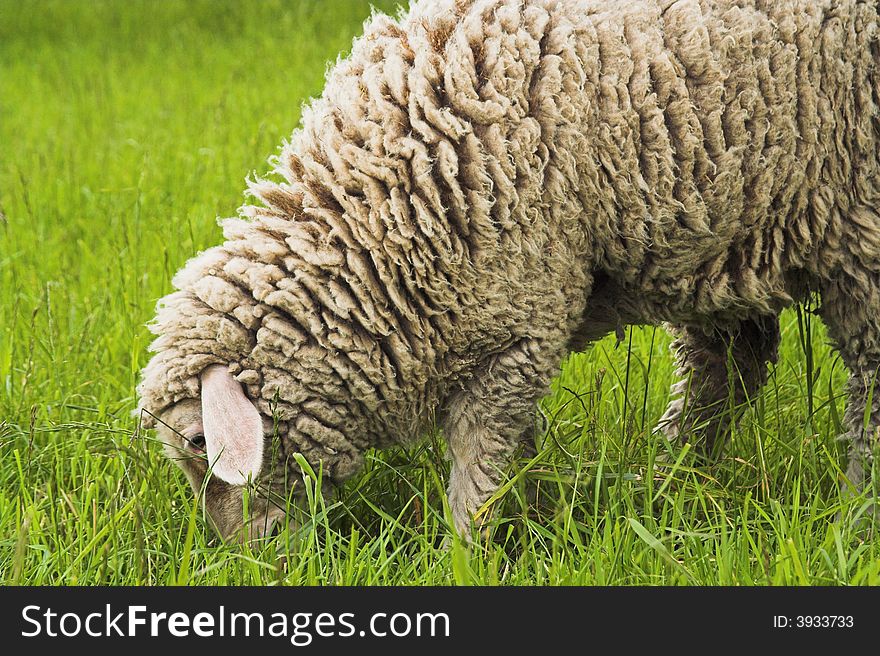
720,370
485,421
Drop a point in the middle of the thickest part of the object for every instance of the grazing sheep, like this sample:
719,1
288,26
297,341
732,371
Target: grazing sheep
486,185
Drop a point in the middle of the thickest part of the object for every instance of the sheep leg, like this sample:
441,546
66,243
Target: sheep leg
720,371
484,422
851,312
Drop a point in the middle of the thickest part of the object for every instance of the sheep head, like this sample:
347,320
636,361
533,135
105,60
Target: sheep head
219,441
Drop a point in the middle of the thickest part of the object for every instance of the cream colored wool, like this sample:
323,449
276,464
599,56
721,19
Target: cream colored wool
484,186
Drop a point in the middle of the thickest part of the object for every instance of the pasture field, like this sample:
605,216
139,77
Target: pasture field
126,129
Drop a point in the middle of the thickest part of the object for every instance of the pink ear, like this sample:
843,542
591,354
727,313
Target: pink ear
233,427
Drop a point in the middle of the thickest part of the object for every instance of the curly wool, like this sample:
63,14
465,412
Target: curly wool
475,172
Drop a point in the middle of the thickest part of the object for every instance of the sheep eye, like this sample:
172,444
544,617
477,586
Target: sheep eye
196,442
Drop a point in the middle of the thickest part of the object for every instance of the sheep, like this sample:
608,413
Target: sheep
485,186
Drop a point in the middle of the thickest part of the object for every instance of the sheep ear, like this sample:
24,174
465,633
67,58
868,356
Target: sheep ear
233,427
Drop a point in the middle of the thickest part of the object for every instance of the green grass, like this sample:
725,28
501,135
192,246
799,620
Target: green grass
127,128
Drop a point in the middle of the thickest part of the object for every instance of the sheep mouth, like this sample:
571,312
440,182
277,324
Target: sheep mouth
266,525
259,526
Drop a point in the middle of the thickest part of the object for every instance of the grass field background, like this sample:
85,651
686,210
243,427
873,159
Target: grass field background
126,129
